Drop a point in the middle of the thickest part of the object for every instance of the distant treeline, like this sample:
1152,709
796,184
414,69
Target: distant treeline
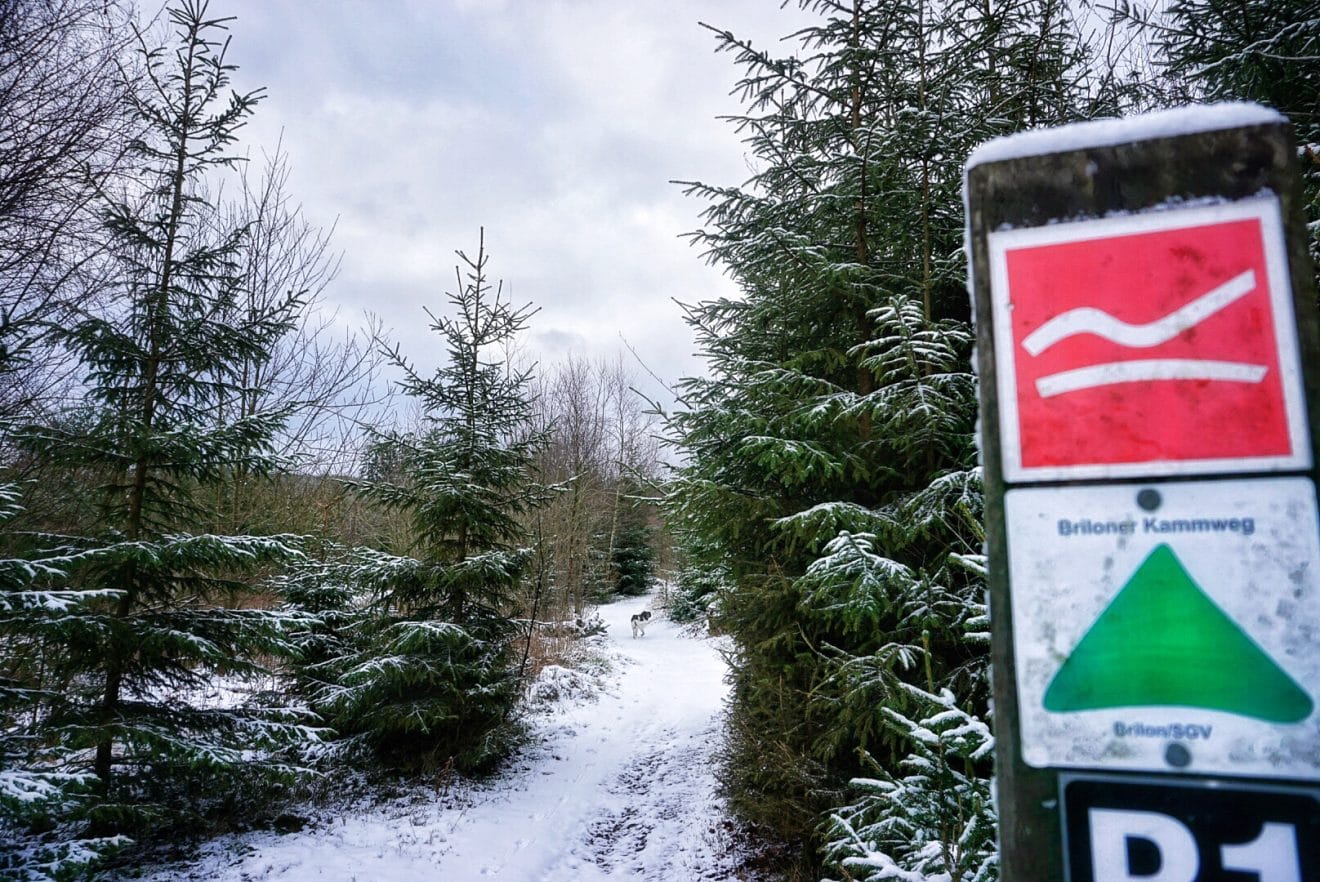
234,549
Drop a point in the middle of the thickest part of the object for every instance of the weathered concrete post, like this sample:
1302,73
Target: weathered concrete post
1147,351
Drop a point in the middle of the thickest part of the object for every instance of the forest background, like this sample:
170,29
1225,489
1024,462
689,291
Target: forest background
206,484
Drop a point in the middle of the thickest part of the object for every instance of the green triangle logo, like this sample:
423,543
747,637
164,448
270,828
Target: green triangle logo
1162,641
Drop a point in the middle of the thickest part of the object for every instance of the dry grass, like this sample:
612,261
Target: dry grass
558,643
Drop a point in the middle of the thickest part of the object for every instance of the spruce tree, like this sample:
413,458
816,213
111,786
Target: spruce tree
932,819
158,617
41,783
432,673
831,471
634,560
1258,50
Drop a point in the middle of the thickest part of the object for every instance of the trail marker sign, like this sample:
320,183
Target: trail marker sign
1162,641
1143,830
1168,628
1149,360
1155,344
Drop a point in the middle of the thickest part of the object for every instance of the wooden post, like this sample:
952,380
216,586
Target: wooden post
1151,170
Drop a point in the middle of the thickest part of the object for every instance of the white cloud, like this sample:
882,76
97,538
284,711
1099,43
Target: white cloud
556,124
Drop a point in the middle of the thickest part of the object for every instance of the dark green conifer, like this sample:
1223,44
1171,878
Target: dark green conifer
158,614
433,675
634,559
42,782
1258,50
830,470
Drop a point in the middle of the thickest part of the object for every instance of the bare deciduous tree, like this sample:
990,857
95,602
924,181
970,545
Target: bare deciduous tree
62,131
324,372
600,451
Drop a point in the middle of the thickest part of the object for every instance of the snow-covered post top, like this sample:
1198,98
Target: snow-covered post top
1148,357
1175,122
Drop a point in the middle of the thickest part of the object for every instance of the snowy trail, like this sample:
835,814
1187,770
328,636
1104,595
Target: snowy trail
618,788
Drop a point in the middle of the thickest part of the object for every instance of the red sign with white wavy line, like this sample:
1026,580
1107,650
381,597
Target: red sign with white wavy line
1148,345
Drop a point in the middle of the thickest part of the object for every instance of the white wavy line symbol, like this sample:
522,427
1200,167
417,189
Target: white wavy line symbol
1149,369
1089,320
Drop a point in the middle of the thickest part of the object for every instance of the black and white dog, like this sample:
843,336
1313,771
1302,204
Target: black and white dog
639,623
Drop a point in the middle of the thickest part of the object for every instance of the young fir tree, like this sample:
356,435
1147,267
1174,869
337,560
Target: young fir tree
41,784
933,818
432,675
634,560
158,618
632,555
830,464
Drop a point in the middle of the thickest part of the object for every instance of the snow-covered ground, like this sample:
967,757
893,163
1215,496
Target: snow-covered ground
618,786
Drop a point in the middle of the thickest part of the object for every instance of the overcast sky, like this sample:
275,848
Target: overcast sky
555,124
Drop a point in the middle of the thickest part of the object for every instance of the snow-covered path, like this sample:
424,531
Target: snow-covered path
617,788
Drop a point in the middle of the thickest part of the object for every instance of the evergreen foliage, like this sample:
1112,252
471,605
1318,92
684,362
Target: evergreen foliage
831,473
429,675
39,784
696,593
155,614
828,504
1260,50
634,560
933,820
